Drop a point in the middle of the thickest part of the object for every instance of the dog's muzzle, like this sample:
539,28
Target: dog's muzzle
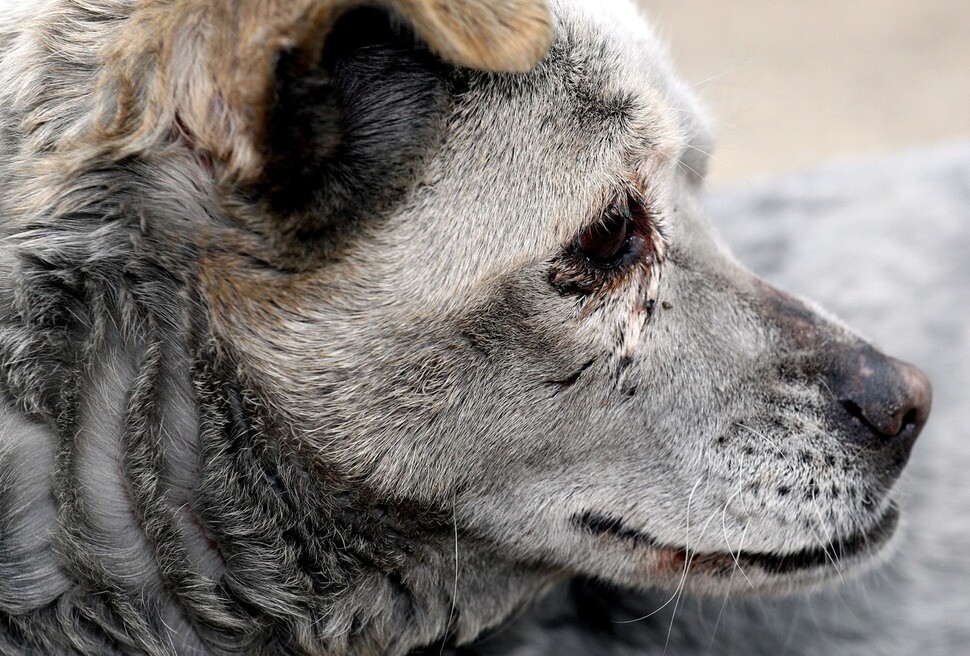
888,400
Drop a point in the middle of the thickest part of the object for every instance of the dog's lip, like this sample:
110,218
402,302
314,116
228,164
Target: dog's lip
832,555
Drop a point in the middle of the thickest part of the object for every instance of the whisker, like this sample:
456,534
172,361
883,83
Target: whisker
684,571
454,594
727,543
824,540
673,596
712,78
720,613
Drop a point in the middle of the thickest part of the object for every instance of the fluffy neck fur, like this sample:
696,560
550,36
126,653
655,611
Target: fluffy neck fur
176,494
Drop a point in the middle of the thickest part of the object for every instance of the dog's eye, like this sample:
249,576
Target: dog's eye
605,243
605,254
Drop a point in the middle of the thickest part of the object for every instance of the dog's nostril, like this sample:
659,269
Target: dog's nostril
882,423
910,420
886,416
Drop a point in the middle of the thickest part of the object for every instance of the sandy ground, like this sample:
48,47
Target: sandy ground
792,84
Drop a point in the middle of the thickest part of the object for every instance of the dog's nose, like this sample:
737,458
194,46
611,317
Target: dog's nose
889,397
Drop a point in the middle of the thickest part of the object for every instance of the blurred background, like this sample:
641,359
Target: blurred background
793,84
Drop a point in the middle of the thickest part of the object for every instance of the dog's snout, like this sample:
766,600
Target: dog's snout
889,397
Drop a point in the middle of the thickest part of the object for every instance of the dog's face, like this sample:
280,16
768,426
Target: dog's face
493,294
516,311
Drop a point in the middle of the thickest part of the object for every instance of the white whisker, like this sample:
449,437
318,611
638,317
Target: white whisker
712,78
454,594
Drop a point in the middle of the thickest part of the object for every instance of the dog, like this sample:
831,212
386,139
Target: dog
350,329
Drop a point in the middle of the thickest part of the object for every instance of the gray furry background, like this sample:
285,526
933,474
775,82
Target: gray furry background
884,242
328,329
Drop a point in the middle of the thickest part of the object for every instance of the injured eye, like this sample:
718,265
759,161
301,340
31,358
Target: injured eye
604,244
625,239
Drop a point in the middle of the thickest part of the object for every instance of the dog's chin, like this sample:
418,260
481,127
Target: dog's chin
758,572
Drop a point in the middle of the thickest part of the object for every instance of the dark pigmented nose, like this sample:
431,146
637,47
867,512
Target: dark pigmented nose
889,397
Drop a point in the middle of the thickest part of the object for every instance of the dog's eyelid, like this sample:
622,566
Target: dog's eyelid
619,206
629,202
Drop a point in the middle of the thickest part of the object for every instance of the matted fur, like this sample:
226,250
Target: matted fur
299,354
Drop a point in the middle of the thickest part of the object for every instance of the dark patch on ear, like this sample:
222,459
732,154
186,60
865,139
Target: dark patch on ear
348,138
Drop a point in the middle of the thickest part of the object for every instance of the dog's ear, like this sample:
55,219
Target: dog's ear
210,69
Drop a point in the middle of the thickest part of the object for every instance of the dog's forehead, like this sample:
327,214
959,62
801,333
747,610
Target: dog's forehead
609,52
529,160
601,112
616,62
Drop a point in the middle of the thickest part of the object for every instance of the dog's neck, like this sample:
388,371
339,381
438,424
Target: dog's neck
170,479
365,574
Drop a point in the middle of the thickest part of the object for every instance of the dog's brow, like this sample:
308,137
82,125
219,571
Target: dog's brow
645,171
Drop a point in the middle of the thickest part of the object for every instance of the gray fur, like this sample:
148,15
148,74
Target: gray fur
394,410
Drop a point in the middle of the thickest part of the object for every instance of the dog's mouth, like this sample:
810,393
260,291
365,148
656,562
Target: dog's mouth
833,556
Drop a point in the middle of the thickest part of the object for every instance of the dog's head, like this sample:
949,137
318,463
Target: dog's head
495,290
460,280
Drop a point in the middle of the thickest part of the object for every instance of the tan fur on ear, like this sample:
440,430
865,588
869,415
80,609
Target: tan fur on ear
493,35
205,68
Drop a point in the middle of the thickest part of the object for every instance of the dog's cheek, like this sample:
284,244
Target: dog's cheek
525,335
